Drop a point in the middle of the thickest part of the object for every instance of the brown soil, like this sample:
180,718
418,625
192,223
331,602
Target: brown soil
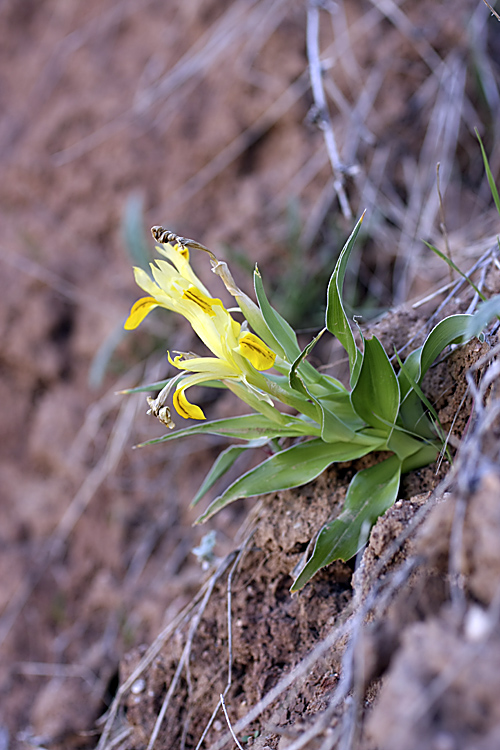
403,589
195,115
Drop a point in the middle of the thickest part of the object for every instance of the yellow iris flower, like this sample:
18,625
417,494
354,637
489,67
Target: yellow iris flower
236,351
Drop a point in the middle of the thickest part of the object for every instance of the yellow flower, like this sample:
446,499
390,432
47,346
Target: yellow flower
237,351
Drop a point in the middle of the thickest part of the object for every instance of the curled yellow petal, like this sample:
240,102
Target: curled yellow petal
139,311
182,250
205,303
184,408
175,361
257,353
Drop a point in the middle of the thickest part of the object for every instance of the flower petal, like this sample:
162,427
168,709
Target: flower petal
145,282
205,303
184,408
139,311
214,367
182,250
179,257
165,276
257,353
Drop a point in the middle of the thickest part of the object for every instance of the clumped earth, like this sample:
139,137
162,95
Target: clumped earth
119,114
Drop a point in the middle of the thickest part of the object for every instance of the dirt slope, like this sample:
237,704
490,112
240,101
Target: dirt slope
119,114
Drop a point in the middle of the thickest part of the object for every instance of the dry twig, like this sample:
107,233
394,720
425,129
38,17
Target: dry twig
323,115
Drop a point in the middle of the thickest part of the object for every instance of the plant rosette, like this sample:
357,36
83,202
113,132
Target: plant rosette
261,362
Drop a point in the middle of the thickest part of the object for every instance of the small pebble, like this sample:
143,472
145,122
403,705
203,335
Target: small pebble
477,624
138,686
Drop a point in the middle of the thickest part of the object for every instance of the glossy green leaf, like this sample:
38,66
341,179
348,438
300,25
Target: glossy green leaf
333,428
327,386
286,395
403,444
356,369
427,454
292,467
455,329
247,427
412,415
281,330
409,372
156,386
483,317
336,318
451,330
293,378
371,492
339,420
222,464
375,396
255,318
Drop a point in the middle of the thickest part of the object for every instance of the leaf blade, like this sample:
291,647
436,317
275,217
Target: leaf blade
246,427
221,465
451,330
376,395
280,329
371,492
336,319
292,467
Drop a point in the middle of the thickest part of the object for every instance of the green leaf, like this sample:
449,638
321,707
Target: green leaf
293,379
292,467
403,444
356,369
484,315
412,414
247,427
336,320
427,454
333,428
253,315
340,405
371,492
281,330
375,397
326,387
222,464
452,330
336,402
157,386
409,372
455,329
285,395
339,420
491,181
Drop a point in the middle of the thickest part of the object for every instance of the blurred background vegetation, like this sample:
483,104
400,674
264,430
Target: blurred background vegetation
121,114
